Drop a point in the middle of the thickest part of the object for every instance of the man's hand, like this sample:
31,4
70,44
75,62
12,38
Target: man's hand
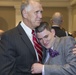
36,68
74,50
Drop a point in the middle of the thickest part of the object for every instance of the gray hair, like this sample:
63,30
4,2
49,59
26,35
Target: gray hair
57,18
25,5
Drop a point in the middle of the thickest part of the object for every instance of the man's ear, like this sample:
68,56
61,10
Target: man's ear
53,31
24,12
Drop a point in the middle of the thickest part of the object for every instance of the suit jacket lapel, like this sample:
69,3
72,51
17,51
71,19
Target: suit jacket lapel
26,40
56,43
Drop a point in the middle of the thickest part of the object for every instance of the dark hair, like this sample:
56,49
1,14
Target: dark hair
43,25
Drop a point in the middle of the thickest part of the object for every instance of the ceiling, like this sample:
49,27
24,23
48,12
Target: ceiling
40,0
44,2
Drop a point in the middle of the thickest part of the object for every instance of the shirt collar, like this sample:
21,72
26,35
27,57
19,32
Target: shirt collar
26,28
55,26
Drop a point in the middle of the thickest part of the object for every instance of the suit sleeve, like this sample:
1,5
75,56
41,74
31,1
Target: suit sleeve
70,67
7,56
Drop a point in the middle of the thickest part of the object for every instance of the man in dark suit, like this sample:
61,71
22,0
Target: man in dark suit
17,52
59,57
57,24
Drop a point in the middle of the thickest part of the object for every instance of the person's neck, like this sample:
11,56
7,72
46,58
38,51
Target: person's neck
28,24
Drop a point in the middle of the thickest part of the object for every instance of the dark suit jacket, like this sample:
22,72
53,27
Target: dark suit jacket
65,62
16,53
59,32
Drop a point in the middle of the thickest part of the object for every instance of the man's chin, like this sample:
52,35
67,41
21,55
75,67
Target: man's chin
47,47
38,24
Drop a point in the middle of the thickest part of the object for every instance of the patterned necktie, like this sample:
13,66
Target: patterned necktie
37,46
53,53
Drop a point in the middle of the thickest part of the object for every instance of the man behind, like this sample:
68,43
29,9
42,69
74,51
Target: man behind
57,20
17,53
59,57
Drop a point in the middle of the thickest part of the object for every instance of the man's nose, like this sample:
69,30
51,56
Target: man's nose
40,15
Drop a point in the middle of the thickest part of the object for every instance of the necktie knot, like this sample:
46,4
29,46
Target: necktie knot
53,53
33,31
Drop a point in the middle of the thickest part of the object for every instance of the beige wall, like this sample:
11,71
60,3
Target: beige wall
10,15
74,17
48,12
7,17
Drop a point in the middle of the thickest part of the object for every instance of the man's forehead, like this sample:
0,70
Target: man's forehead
37,6
43,33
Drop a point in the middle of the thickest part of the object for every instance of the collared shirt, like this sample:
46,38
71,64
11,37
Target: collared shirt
47,55
55,25
29,34
46,59
28,31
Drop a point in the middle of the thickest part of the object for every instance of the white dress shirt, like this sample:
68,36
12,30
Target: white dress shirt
46,59
28,31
